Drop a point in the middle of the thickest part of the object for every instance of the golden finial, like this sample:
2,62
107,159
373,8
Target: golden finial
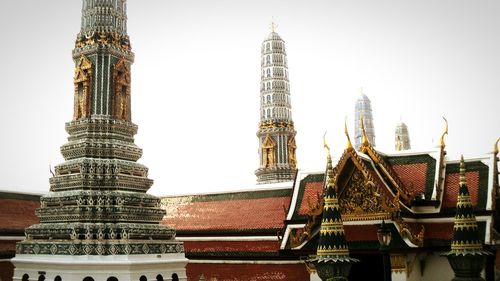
495,147
325,144
364,140
444,133
462,171
329,168
349,144
273,25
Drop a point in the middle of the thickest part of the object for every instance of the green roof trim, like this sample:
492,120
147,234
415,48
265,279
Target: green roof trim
300,196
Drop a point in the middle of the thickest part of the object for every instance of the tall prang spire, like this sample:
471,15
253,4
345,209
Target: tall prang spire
103,58
104,16
97,214
276,130
402,137
363,109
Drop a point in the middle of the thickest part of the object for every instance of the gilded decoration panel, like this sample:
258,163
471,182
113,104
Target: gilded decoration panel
360,199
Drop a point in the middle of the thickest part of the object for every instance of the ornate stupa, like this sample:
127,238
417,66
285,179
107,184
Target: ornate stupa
276,130
402,137
332,254
363,109
97,221
467,257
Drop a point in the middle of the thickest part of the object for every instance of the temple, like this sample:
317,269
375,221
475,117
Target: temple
276,131
97,222
272,232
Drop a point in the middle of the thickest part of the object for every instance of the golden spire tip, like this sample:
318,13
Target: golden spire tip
349,144
495,147
443,144
462,170
325,145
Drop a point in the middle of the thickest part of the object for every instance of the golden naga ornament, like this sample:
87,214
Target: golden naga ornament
83,86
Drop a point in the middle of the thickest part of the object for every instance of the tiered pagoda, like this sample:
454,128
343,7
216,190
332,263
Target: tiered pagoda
97,222
363,109
276,130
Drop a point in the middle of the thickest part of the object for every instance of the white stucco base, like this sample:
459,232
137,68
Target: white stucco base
100,268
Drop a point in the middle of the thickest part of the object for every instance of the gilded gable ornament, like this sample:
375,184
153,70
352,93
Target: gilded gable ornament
83,88
360,198
121,87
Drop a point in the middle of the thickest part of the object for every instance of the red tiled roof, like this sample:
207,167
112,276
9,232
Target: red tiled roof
312,192
17,214
231,246
413,176
247,272
240,212
451,188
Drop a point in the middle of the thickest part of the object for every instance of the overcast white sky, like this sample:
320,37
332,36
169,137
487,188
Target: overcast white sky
195,81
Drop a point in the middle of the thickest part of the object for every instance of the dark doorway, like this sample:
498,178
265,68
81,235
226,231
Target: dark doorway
369,267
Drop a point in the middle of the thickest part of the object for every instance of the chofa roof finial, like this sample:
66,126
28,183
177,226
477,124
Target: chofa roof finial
443,144
349,144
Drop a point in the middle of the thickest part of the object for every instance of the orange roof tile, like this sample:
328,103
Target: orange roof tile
239,212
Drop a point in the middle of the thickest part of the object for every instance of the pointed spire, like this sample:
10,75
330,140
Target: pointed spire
465,230
273,25
278,163
495,147
443,144
332,242
349,144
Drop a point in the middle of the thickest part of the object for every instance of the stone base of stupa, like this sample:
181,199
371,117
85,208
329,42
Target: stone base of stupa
100,268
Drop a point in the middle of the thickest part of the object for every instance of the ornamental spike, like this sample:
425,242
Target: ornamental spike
495,147
349,144
364,140
443,144
462,171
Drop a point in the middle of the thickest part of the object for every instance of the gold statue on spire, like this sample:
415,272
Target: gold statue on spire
443,144
495,147
349,144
